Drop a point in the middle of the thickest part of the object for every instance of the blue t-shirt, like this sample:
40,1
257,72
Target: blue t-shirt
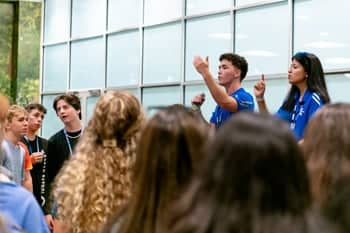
19,206
244,100
302,112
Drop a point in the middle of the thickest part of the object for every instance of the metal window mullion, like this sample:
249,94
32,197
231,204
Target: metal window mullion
291,31
141,47
69,44
105,38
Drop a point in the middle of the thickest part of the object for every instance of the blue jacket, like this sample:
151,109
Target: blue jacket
302,112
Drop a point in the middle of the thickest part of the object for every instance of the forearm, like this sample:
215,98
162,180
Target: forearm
218,93
262,105
196,109
27,183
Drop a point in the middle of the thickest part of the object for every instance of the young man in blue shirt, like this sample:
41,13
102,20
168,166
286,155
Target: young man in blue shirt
233,98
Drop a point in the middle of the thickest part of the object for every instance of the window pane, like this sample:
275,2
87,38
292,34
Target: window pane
209,104
57,15
87,64
135,92
244,2
323,32
123,14
162,63
276,91
210,36
88,17
123,59
153,98
338,87
262,39
159,10
200,6
55,68
90,106
51,122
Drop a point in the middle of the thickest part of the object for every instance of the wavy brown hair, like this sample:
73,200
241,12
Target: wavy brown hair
327,148
168,153
253,180
96,181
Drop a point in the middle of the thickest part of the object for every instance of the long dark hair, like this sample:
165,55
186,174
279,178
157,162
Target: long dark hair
315,81
168,153
254,175
327,149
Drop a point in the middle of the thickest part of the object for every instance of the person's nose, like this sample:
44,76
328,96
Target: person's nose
219,71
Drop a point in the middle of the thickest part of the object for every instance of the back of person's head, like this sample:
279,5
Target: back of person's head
168,153
238,61
97,180
254,175
37,106
315,75
70,99
337,206
327,148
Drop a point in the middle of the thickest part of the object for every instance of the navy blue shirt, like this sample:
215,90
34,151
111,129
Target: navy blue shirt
244,100
302,112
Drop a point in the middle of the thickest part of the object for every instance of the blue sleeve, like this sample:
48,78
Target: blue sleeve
244,101
213,118
315,104
33,219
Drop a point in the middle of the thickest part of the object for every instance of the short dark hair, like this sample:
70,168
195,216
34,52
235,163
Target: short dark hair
71,99
37,106
238,61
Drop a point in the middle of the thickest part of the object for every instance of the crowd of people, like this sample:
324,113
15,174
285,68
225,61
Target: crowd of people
241,172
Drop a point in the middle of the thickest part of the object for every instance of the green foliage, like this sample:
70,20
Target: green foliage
6,19
29,52
4,84
28,57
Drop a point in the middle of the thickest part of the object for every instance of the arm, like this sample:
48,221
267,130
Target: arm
60,227
259,91
220,96
197,102
27,183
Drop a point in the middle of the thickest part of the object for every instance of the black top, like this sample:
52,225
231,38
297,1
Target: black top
58,152
39,181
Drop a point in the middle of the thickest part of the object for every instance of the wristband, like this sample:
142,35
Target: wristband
195,107
259,99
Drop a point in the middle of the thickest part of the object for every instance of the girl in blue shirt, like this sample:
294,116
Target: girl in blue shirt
308,92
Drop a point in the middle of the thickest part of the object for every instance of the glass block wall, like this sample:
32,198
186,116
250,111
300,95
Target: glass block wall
146,47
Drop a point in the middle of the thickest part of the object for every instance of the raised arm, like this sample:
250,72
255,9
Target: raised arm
259,92
220,96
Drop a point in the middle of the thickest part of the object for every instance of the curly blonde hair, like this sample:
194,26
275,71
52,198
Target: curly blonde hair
96,180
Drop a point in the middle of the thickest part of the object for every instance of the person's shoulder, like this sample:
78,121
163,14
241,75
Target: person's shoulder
244,93
56,136
17,192
43,140
315,99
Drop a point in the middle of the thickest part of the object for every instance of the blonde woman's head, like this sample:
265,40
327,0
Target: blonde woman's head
97,180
